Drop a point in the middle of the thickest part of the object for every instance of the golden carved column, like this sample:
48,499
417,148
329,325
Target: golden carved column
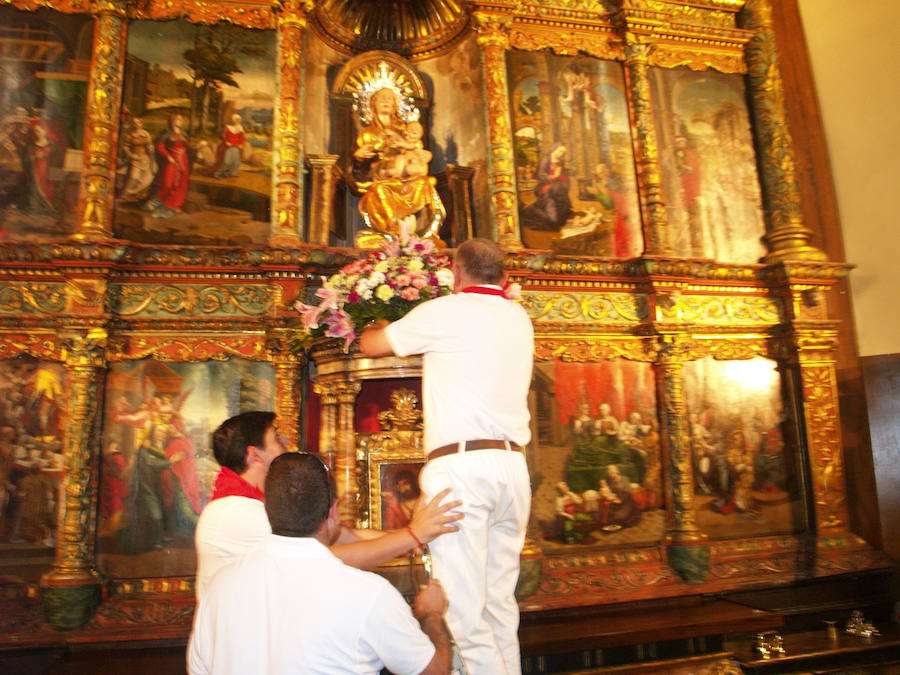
322,180
345,452
786,237
288,142
654,223
287,387
337,441
97,190
327,421
687,551
493,38
71,591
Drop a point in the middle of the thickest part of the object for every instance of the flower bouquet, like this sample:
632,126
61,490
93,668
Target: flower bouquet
386,284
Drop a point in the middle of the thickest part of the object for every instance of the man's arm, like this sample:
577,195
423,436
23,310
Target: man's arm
429,608
374,341
430,520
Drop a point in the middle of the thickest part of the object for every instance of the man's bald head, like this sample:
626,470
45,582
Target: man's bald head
481,260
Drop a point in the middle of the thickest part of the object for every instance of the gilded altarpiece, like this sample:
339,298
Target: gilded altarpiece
684,400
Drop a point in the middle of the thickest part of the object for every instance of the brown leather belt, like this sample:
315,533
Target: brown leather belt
480,444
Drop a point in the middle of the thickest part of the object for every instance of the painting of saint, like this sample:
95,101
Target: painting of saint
596,468
399,492
157,466
32,408
743,455
43,89
574,165
197,126
709,180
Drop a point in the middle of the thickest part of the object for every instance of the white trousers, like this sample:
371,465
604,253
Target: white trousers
479,564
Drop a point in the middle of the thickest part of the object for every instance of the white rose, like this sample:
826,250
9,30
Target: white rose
445,277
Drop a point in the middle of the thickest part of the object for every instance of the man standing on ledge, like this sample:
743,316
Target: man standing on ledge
478,349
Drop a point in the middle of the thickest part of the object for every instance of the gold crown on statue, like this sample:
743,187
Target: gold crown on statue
378,77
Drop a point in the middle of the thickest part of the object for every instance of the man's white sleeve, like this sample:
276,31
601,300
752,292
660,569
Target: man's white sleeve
423,330
394,635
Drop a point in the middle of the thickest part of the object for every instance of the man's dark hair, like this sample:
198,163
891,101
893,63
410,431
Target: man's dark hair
482,260
234,435
299,492
409,477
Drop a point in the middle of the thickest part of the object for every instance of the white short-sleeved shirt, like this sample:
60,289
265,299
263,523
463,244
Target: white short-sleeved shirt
478,354
291,606
227,528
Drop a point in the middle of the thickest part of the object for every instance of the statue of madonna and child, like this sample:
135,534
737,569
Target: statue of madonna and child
389,169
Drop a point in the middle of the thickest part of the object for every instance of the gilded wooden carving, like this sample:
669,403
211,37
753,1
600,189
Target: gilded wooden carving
493,37
787,237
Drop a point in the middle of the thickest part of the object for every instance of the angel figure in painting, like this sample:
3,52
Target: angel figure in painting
390,170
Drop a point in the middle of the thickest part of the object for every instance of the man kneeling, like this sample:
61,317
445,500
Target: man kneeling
290,605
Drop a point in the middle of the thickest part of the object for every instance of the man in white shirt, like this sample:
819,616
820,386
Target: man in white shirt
478,352
234,521
290,605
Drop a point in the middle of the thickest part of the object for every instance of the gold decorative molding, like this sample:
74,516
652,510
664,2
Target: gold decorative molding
26,297
132,300
824,439
585,307
40,346
722,310
247,14
674,56
569,42
186,349
588,350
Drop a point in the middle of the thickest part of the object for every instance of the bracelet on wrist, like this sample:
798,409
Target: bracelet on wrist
413,535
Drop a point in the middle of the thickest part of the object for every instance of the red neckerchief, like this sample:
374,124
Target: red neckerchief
229,484
485,290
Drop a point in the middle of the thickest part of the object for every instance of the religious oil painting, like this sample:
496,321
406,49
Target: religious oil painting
399,490
709,180
595,461
574,163
45,61
158,466
742,448
195,152
32,416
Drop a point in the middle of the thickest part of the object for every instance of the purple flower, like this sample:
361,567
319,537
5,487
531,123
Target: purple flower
309,314
340,326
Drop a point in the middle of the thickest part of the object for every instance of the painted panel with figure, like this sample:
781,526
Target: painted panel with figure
710,185
32,412
574,164
44,72
197,121
595,460
743,450
158,467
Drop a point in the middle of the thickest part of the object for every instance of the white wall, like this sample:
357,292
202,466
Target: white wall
855,52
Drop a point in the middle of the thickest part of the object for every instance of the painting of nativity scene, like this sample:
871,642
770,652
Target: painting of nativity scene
574,163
